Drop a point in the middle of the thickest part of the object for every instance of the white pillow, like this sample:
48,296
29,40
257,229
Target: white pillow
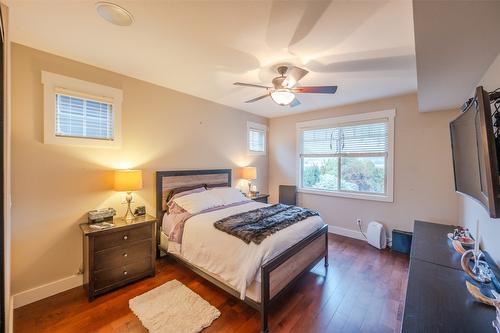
197,202
228,195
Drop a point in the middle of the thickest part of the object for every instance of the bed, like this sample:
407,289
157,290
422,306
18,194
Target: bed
257,274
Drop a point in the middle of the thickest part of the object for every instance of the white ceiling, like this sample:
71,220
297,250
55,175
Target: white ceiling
201,48
456,42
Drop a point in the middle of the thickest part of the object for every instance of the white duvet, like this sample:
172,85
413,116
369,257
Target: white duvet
231,258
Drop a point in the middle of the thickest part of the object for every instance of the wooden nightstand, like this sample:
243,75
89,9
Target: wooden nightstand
119,255
260,198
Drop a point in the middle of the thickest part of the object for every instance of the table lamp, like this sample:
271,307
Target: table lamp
249,173
128,181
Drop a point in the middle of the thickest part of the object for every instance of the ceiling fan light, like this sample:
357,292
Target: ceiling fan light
283,96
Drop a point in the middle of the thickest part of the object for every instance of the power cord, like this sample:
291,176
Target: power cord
359,226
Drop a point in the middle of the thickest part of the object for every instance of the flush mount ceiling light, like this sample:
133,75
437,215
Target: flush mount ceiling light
114,14
282,96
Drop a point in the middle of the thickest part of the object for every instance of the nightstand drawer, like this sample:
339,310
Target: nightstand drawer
108,277
122,238
123,255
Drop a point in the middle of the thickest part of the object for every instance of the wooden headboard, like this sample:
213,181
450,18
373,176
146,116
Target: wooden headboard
168,180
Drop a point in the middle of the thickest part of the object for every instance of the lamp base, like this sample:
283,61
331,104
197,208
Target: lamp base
129,216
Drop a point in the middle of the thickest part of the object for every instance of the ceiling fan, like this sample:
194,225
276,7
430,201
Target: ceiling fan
285,87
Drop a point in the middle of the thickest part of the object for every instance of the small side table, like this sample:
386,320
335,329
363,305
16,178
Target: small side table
260,198
119,255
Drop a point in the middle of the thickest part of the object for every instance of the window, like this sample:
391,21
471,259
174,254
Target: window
83,117
256,135
77,112
349,156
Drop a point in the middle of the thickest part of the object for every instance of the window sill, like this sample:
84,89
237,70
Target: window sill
82,142
256,153
360,196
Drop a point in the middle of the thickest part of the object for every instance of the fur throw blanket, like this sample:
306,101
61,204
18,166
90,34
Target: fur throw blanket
256,225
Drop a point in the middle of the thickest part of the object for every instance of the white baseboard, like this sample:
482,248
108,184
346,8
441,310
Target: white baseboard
46,290
55,287
346,232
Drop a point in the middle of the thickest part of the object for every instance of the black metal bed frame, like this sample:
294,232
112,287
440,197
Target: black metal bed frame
265,300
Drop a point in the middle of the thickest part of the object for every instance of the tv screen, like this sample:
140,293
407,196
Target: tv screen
474,153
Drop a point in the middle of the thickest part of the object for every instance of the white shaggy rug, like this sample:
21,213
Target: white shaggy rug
173,307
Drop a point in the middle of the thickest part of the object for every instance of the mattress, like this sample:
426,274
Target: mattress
253,291
229,259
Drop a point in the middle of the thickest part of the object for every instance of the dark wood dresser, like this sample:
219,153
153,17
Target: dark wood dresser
436,298
119,255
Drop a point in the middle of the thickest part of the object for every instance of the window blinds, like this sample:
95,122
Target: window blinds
321,141
366,138
256,140
347,139
83,117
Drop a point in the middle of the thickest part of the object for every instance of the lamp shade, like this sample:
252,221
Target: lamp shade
128,180
249,173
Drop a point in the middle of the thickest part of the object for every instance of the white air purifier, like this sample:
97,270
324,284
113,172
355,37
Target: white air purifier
376,235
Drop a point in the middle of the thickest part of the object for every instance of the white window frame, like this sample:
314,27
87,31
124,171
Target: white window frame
55,83
337,121
259,127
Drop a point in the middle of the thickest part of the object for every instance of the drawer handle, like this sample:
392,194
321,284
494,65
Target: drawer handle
125,272
125,237
125,255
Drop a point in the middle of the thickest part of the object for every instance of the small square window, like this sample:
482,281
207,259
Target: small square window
81,113
256,137
83,118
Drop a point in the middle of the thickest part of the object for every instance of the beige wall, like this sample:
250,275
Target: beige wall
54,186
423,178
470,211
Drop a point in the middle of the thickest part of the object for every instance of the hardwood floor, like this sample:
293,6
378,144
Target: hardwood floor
363,291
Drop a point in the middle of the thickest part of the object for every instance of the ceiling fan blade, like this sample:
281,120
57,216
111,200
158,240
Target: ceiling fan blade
315,90
256,98
250,85
293,76
295,103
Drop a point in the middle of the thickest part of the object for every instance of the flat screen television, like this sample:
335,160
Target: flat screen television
475,153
